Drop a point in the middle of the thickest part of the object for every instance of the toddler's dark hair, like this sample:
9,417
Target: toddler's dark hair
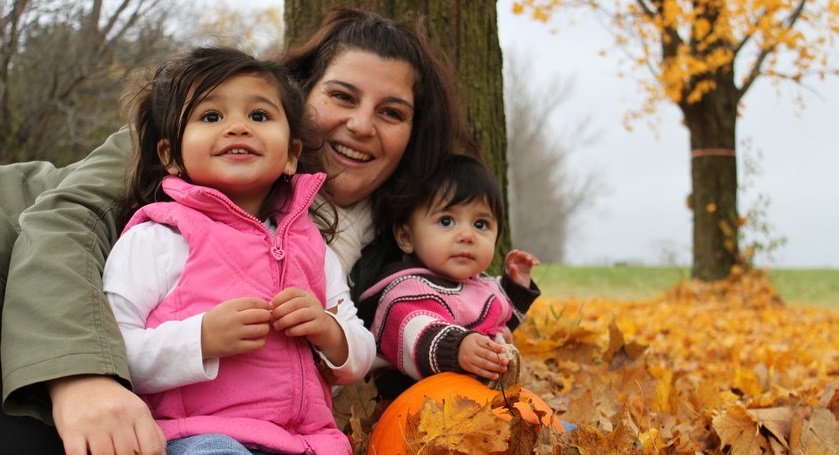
160,103
459,179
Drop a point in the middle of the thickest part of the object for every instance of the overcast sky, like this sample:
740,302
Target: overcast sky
643,217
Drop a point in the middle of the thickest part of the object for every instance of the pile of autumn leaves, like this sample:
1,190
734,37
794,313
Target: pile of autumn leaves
719,368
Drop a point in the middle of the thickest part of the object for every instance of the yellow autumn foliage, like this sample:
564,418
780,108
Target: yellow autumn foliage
728,368
711,34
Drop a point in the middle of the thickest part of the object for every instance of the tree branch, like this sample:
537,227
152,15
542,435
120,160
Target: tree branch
756,68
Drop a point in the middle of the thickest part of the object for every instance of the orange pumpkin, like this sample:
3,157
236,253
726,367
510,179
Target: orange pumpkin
387,439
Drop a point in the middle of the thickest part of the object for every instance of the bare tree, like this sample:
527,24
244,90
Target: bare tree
61,64
546,196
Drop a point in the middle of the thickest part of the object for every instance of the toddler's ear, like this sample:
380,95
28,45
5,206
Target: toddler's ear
164,152
402,234
293,156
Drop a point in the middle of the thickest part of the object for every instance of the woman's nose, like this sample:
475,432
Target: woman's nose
360,123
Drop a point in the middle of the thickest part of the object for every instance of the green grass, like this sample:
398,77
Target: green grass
811,287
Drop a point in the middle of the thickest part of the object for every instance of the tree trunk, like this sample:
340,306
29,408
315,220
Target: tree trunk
467,32
712,124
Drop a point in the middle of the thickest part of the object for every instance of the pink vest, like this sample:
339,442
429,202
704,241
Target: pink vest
273,399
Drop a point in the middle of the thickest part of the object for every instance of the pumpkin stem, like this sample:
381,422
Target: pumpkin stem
510,377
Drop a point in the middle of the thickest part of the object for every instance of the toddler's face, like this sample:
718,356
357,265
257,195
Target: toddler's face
237,140
457,242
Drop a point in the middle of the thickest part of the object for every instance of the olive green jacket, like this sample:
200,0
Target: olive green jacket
56,321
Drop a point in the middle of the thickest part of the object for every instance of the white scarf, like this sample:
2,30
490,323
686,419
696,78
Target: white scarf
355,231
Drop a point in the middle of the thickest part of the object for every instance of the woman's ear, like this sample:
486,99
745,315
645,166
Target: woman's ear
164,152
402,234
293,157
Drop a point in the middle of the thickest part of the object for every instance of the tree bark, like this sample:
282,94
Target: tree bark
467,33
712,124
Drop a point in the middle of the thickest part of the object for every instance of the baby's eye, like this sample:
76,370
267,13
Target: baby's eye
446,221
482,225
260,116
211,117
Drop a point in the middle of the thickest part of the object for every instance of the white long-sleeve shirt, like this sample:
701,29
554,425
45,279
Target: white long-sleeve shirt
170,355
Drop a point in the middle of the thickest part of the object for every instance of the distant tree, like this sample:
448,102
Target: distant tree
258,31
546,195
468,34
704,55
61,64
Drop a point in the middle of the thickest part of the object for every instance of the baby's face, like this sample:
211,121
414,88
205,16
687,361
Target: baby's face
457,242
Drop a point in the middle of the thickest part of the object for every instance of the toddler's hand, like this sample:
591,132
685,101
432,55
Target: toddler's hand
518,265
235,326
481,356
298,313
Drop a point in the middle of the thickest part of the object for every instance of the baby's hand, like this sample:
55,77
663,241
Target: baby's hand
235,326
481,356
518,265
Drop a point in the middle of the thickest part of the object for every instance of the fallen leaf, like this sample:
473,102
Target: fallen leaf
778,421
738,430
456,425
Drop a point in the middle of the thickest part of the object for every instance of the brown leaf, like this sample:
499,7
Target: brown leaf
523,435
356,400
819,435
832,403
778,421
454,426
738,430
621,441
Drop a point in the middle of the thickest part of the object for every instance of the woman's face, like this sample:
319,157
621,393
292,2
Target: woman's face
364,108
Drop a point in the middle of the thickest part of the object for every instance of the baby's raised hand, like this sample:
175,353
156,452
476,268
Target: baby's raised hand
518,265
235,326
481,356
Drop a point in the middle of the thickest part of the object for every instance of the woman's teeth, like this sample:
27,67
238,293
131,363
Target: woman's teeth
350,153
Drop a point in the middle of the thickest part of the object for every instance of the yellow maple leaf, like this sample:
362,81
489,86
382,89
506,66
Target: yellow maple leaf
456,425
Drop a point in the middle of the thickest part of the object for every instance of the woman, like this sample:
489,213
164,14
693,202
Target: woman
60,343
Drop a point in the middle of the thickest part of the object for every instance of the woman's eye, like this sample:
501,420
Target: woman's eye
394,114
446,221
211,117
341,96
259,116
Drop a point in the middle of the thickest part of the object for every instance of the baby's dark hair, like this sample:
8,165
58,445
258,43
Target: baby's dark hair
160,103
459,179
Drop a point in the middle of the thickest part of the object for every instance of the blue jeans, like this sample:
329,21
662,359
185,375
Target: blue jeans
209,444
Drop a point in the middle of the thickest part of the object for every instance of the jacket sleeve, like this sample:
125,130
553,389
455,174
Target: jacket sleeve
416,333
56,319
521,297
